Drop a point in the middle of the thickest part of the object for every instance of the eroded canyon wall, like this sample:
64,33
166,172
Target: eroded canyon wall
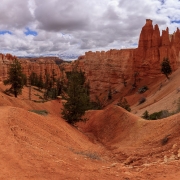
40,66
153,47
106,70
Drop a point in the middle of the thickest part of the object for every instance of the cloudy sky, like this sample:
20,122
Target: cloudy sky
72,27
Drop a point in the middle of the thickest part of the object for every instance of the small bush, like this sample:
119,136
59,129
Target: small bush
124,104
142,89
40,112
165,140
142,100
145,115
156,115
159,115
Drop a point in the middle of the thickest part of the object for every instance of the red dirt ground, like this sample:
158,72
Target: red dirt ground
112,144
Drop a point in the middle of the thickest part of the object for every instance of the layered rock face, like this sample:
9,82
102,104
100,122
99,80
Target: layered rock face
153,48
5,60
106,70
39,66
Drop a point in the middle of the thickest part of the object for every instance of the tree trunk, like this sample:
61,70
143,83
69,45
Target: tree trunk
15,94
167,76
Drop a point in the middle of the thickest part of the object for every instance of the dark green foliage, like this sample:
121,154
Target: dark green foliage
16,78
24,79
36,80
40,112
159,115
134,85
40,83
156,115
166,68
78,100
124,104
33,79
142,89
165,140
145,115
142,100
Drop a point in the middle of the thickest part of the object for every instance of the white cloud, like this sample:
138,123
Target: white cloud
76,26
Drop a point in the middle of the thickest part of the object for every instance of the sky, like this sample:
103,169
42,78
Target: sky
70,28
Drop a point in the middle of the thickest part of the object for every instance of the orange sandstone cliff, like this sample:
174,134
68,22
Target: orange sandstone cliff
38,66
108,70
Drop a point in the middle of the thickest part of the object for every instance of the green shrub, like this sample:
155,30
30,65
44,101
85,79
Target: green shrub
142,100
142,89
156,115
124,104
40,112
145,115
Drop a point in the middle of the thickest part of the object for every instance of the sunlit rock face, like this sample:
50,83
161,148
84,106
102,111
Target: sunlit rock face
107,70
40,66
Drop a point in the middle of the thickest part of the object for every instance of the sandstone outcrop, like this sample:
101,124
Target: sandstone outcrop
153,48
38,66
107,70
5,60
110,70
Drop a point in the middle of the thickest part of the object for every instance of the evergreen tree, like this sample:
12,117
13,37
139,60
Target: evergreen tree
166,68
40,83
15,78
124,104
145,115
33,79
77,97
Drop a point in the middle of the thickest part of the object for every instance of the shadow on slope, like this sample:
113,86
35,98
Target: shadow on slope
128,135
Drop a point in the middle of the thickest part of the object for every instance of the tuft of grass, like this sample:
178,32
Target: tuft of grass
165,140
142,89
40,112
90,155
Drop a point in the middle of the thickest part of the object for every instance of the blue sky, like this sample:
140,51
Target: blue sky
3,32
40,27
30,32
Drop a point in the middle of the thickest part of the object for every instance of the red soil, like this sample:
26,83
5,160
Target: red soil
112,144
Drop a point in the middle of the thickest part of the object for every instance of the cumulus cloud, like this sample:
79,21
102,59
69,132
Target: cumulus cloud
14,14
57,15
72,27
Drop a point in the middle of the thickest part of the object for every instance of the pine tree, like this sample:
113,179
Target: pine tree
166,68
78,100
145,115
15,78
124,104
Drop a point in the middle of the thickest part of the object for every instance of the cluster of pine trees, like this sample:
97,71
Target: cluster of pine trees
76,90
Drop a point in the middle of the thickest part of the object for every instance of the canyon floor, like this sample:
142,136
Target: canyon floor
112,144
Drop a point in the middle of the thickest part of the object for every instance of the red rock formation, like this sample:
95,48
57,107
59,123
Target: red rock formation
105,70
40,66
153,48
